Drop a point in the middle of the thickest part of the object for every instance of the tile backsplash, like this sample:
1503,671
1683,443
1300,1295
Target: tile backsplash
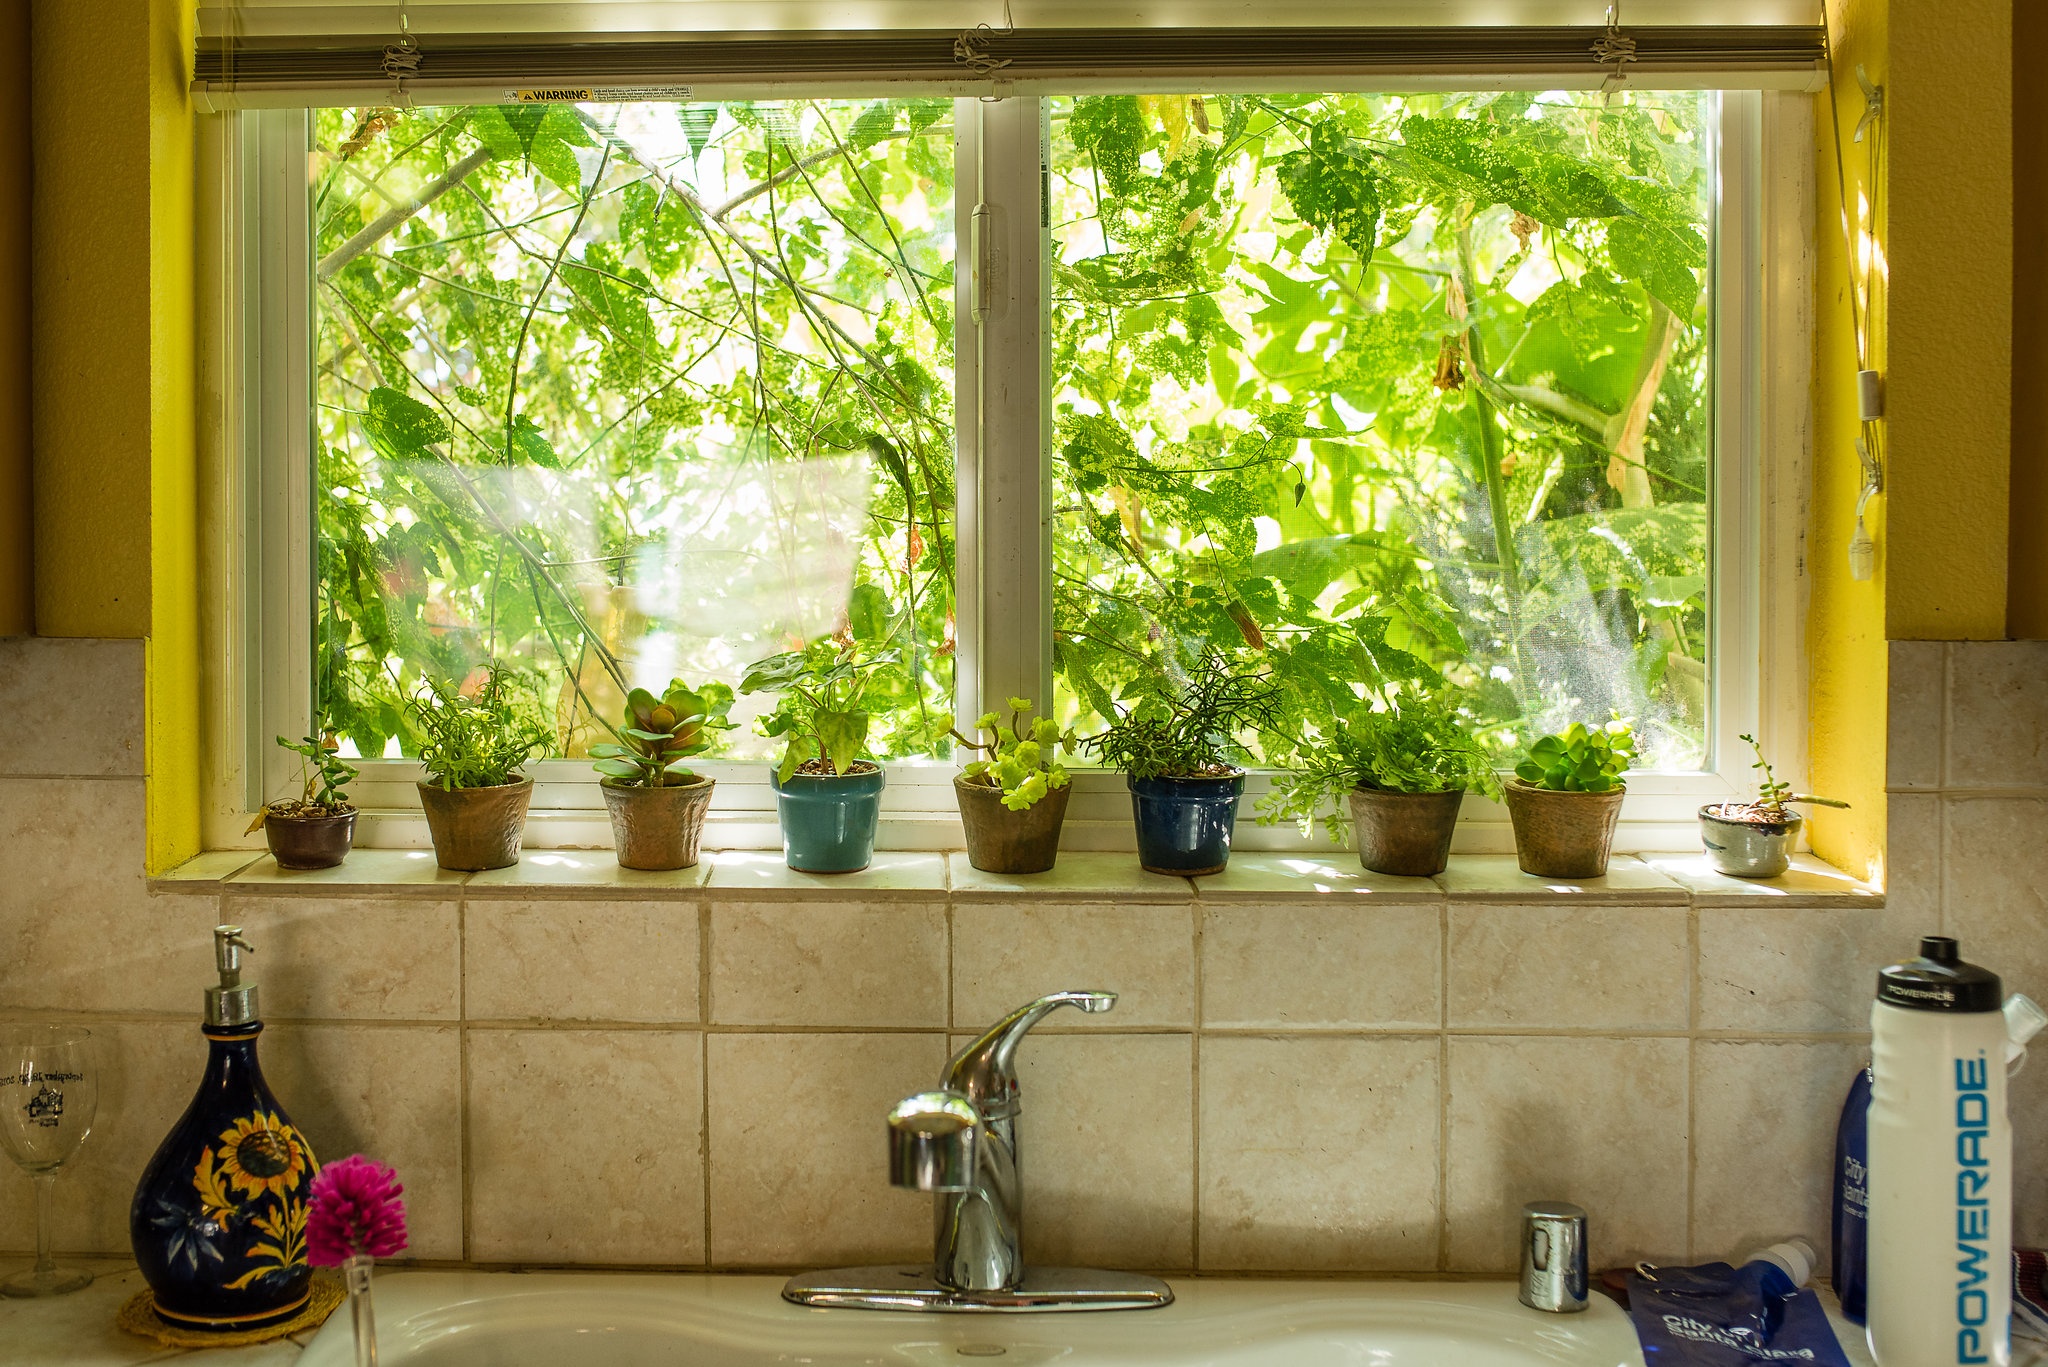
692,1071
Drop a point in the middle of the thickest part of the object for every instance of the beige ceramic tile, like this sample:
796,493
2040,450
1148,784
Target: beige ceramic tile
1810,882
1765,970
1997,715
595,870
1319,1155
572,959
1997,874
1333,964
1269,877
71,707
148,1073
1598,1122
1913,859
1498,878
1107,1135
1004,956
1915,713
586,1146
392,1093
379,958
799,1164
1079,875
1764,1147
124,951
203,872
1589,966
362,871
897,875
2027,1103
849,964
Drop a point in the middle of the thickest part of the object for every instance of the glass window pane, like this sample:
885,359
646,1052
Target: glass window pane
1382,388
640,392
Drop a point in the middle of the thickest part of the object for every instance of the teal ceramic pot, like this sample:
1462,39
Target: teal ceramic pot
1184,824
828,820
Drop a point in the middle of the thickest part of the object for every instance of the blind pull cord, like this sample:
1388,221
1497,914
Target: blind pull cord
971,50
402,59
1614,49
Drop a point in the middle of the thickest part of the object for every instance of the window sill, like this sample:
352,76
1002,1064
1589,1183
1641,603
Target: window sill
1081,876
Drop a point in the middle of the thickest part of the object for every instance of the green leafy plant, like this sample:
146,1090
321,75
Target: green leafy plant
821,715
322,775
1190,727
1022,764
1771,795
1581,759
478,738
1419,747
660,735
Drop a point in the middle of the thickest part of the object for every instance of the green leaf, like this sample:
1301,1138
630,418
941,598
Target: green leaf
400,426
1333,186
531,445
844,734
617,768
867,613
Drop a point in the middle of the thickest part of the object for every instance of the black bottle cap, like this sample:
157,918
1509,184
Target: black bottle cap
1939,980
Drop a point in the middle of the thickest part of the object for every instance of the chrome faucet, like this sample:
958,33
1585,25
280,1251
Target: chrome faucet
960,1142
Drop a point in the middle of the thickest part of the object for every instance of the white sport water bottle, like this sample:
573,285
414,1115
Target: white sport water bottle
1940,1165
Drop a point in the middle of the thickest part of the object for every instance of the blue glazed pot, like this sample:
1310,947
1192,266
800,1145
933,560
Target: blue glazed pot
1184,823
828,820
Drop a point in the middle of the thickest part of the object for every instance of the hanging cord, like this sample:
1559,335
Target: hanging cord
402,59
971,46
1862,290
1614,49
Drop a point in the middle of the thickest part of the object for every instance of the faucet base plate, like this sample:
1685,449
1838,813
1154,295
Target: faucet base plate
915,1288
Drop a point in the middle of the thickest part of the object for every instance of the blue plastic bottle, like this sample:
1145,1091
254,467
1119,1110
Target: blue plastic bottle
1852,1198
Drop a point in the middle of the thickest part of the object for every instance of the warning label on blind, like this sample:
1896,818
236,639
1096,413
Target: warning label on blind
601,94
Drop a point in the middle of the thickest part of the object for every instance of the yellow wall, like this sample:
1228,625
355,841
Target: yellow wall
17,523
2027,587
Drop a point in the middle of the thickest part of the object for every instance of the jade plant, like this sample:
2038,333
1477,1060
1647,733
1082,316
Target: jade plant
1581,758
661,734
1772,796
323,774
1420,746
1189,728
475,737
1022,764
821,715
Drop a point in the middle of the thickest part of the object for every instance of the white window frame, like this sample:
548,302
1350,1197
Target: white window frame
260,565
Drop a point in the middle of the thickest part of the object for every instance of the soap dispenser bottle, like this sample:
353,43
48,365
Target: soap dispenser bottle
219,1219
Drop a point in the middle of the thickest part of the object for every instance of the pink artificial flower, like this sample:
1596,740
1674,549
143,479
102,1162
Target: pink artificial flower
355,1209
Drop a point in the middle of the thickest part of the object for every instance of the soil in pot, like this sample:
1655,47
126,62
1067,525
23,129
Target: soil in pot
828,819
305,835
1744,840
1002,841
657,828
1184,824
1562,835
477,828
1405,833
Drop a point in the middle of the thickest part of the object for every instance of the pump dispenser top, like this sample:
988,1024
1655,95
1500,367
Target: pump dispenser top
232,1002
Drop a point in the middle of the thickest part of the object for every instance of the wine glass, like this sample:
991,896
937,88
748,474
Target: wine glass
48,1089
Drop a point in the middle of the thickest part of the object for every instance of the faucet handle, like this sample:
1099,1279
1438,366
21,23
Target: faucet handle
985,1072
932,1141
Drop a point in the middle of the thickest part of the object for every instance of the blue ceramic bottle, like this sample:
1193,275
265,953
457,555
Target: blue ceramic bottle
219,1219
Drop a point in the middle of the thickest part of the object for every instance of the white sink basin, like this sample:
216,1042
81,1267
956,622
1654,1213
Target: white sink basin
562,1319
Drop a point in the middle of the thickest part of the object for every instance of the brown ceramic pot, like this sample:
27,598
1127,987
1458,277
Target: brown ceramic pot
309,842
1562,835
1002,841
1405,833
477,828
657,828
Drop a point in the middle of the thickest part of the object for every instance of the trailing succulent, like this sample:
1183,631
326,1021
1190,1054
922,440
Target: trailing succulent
1189,727
1420,746
660,734
323,774
476,738
1021,764
821,712
1771,796
1581,759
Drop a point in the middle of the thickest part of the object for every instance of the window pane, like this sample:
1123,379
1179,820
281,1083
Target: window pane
642,391
1380,386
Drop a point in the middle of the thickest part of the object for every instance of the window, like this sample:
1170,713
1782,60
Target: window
1038,394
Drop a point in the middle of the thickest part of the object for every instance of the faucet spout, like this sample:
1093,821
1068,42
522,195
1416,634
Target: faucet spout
985,1071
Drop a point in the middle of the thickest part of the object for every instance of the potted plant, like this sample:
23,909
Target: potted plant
828,798
1756,839
1013,800
1566,796
1403,772
315,829
656,803
1177,748
471,743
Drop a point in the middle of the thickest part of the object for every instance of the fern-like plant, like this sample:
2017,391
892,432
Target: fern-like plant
478,738
1190,728
1419,747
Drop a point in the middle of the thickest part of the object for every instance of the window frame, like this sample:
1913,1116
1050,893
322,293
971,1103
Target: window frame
261,511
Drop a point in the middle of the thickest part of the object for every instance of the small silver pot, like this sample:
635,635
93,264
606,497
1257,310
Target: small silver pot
1744,849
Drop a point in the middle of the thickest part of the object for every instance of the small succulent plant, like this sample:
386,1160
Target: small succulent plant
1771,795
1581,758
1021,763
660,734
323,774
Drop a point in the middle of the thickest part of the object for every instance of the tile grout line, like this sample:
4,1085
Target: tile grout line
1692,1048
462,1078
1443,1091
1197,1019
704,1060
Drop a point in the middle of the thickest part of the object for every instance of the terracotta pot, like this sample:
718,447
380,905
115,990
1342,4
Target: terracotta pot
1562,835
477,828
1002,841
309,842
1749,849
657,828
1405,833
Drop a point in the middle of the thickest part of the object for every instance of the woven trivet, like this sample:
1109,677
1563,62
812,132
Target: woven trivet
139,1317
